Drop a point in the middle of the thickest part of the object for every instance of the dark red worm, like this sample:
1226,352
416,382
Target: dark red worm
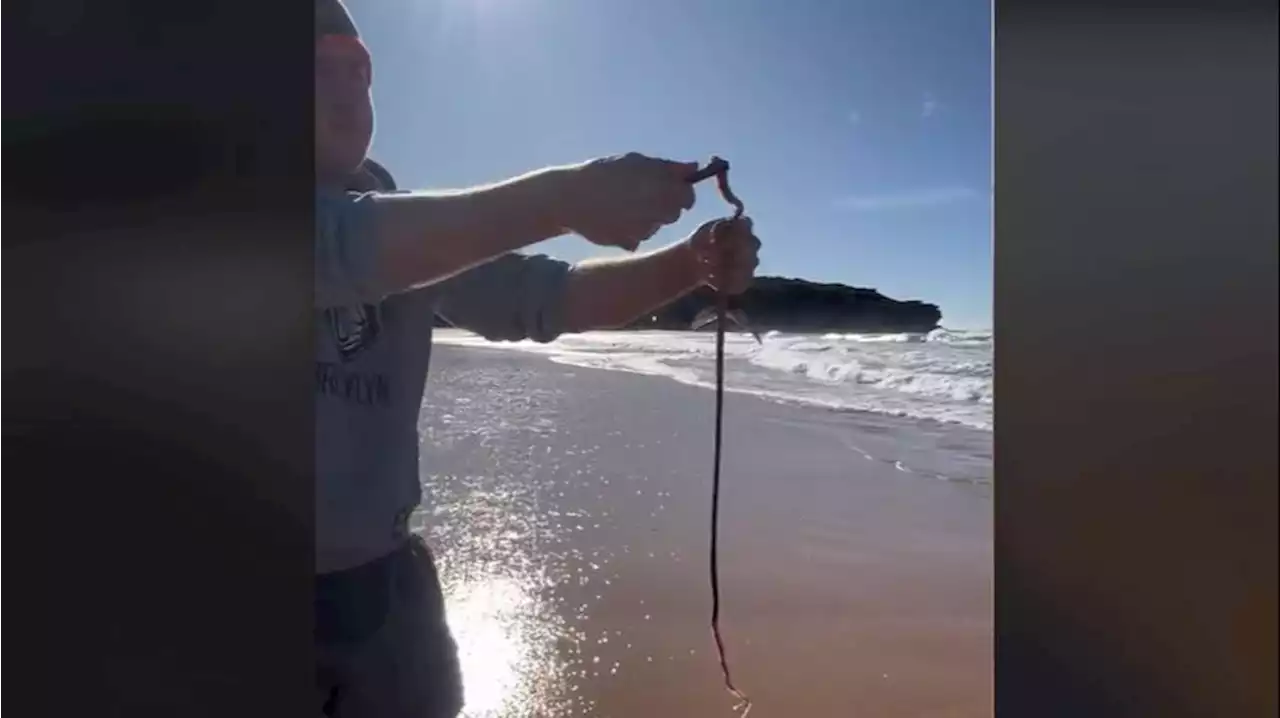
719,169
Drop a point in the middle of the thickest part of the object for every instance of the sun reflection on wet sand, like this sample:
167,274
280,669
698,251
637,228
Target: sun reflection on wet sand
507,570
571,551
510,638
493,620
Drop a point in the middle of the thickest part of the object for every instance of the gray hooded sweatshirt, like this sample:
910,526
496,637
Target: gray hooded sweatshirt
372,355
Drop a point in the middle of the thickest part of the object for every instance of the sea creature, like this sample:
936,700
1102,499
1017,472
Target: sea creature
719,169
707,317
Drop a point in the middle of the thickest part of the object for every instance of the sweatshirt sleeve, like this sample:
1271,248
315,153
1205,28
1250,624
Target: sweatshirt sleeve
346,250
511,298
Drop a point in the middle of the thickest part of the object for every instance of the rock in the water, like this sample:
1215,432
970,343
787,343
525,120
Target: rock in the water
799,305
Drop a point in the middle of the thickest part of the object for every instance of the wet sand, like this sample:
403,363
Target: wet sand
570,510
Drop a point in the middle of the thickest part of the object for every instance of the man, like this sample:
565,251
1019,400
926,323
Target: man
386,263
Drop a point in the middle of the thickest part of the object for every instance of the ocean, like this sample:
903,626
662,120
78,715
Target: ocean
943,376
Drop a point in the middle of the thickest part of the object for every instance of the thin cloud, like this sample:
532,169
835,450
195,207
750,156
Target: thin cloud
854,117
929,106
913,199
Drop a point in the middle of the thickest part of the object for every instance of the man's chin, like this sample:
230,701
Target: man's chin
339,169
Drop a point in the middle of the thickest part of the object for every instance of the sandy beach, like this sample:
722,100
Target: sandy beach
569,509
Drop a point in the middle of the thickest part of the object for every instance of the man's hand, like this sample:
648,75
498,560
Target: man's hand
726,256
622,201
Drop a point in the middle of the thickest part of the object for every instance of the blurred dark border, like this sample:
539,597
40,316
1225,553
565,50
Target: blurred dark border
1135,295
158,368
158,357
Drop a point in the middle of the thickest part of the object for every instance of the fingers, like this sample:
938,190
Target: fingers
683,196
675,192
682,170
728,253
673,203
625,200
730,231
669,195
665,169
678,194
636,233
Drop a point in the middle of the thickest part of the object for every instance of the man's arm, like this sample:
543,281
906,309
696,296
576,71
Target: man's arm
517,297
372,245
612,293
514,297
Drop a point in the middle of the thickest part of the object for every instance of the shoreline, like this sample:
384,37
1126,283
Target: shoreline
570,510
733,385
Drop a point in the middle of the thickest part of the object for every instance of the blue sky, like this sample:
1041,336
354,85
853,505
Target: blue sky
859,131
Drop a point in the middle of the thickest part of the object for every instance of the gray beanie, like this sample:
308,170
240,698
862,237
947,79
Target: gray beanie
332,18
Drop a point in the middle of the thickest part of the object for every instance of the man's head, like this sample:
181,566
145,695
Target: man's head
344,104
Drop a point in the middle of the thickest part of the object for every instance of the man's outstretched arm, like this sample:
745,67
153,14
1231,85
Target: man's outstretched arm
612,293
534,297
372,245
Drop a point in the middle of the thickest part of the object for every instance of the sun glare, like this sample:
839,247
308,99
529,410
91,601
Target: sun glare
506,647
